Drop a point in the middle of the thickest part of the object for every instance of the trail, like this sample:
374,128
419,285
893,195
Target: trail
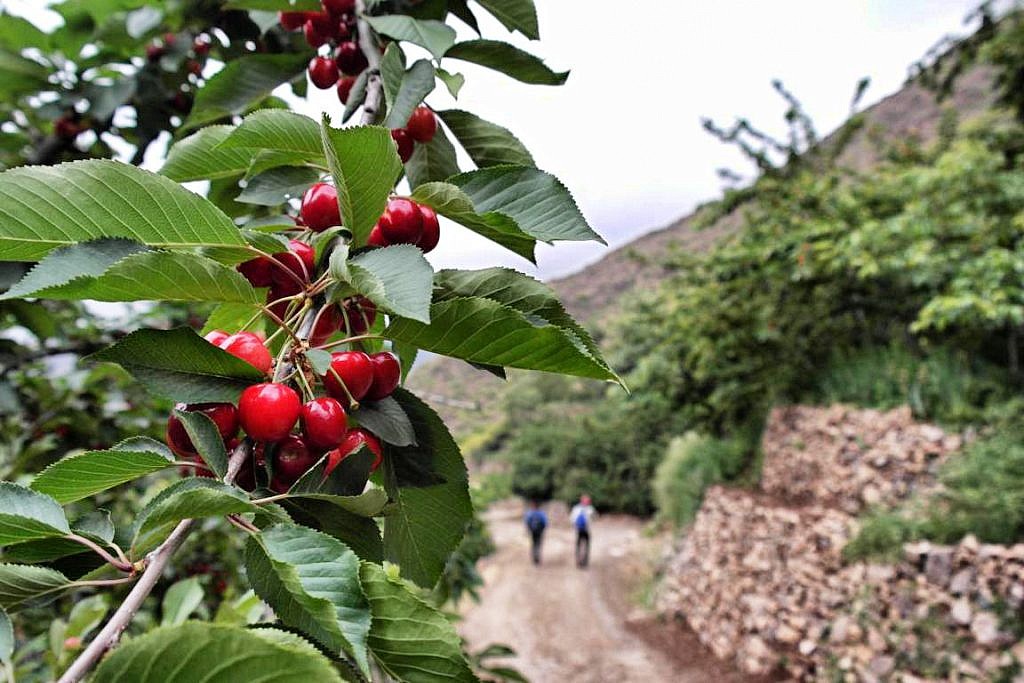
574,625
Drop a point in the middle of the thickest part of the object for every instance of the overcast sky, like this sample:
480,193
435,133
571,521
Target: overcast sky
624,132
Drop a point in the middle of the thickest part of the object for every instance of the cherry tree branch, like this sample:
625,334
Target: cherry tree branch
374,84
156,562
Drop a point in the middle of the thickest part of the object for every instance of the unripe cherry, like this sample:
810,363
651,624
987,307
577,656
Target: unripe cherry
319,209
268,411
324,423
431,234
402,222
406,145
422,125
387,372
323,72
355,370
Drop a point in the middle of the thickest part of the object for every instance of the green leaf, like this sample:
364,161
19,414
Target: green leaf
507,59
365,164
386,419
417,83
279,130
19,75
80,476
392,71
397,278
229,317
487,144
22,585
537,201
311,580
369,503
86,615
26,515
75,273
180,365
6,638
488,332
278,185
359,533
215,653
242,83
435,36
191,498
356,96
515,15
428,521
180,601
411,640
200,156
432,161
46,207
206,438
347,480
453,82
451,202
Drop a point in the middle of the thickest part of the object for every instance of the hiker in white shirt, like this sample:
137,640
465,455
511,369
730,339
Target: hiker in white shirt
581,516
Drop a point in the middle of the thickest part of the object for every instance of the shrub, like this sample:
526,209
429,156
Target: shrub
692,463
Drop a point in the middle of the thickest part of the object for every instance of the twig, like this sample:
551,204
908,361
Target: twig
123,566
156,562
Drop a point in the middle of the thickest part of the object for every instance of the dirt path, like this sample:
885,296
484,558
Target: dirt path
579,626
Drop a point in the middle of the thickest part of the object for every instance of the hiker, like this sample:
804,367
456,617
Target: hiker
582,514
536,522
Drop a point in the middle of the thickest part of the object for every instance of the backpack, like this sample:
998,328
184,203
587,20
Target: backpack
535,521
580,522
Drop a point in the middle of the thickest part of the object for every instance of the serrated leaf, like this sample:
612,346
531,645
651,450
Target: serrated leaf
80,476
346,480
361,534
191,498
537,201
242,83
278,185
386,419
434,36
215,653
64,265
364,164
392,69
411,640
397,278
311,580
369,503
201,157
451,202
278,130
515,15
46,207
180,365
507,59
230,317
22,585
488,332
95,526
453,82
180,601
487,144
86,615
416,84
206,438
27,515
428,521
432,161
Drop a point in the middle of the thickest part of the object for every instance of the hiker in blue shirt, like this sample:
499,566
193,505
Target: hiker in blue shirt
536,521
582,514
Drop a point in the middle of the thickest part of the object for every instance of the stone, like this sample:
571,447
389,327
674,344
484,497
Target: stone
961,582
985,628
806,647
939,566
961,612
882,665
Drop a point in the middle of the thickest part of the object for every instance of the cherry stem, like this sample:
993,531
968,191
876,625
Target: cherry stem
120,564
307,391
271,499
352,402
273,316
243,525
277,264
105,582
350,340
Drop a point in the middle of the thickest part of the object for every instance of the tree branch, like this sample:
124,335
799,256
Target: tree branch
374,84
156,562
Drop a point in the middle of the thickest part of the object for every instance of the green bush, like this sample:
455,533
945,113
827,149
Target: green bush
692,463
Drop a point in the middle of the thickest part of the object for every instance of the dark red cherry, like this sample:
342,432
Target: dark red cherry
339,7
405,144
345,84
386,374
292,459
360,314
298,259
422,125
318,29
431,229
257,271
293,21
328,321
376,237
351,59
323,72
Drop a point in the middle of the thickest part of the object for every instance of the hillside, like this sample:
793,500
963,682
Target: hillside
595,291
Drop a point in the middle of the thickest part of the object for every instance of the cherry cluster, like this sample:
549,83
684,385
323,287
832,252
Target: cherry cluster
421,127
336,27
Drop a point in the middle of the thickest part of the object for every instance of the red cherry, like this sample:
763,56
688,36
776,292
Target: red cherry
339,7
405,144
431,229
402,222
292,459
154,52
360,313
215,337
353,440
343,31
201,46
386,374
194,67
257,271
323,423
250,348
319,209
345,84
298,259
323,71
224,415
268,411
376,237
170,38
422,124
328,321
318,29
355,370
293,21
351,59
66,128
